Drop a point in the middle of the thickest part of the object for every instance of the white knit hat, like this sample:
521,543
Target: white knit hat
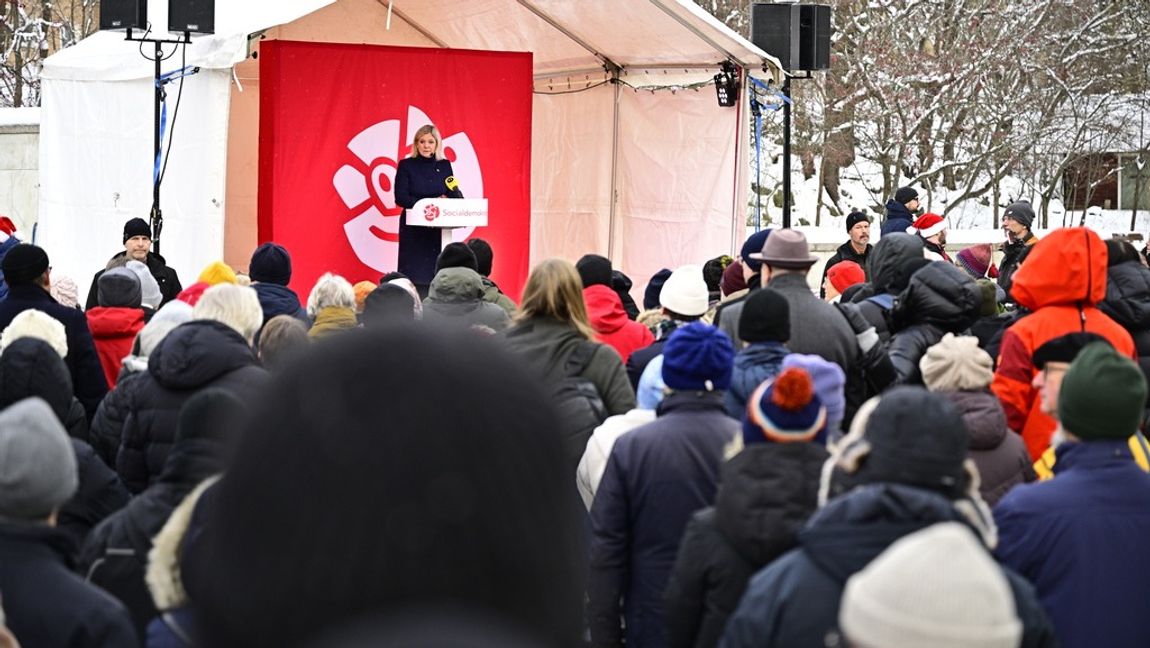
956,363
36,324
938,588
685,292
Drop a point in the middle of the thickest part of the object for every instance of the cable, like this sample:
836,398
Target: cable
562,92
175,112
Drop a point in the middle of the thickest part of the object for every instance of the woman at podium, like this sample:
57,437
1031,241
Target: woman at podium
425,173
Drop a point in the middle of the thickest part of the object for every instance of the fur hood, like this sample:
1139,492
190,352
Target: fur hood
163,575
37,324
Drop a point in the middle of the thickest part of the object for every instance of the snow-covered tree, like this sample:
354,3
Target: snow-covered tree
30,30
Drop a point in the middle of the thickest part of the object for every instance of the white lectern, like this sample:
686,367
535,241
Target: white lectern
447,214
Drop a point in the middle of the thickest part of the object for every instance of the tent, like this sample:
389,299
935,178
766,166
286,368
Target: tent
631,155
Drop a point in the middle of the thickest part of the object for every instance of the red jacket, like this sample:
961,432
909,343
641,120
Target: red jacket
1060,282
114,331
605,310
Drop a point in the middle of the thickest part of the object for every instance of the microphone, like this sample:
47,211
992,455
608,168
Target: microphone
452,187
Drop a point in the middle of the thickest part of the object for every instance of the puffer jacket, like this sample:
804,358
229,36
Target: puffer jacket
456,297
999,453
195,355
1013,254
113,331
766,493
611,324
1061,283
754,364
898,218
939,299
885,269
1128,303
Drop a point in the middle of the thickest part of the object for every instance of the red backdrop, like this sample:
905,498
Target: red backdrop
336,119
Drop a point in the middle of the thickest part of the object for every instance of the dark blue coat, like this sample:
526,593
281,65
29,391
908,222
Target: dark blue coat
4,247
794,601
418,178
88,383
1080,538
753,365
279,300
658,475
898,218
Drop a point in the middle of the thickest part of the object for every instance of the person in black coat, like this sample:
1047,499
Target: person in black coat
857,249
900,211
26,270
423,174
1128,297
137,246
115,554
31,368
766,493
45,603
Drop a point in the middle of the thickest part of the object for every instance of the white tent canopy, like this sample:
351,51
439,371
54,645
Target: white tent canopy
647,169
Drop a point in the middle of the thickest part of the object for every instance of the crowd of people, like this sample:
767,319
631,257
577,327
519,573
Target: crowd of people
927,448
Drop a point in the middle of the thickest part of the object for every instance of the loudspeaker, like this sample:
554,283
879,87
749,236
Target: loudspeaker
123,14
799,35
195,16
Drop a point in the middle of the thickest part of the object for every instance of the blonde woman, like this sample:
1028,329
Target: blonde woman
551,332
425,173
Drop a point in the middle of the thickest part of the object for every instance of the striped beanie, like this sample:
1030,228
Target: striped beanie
785,409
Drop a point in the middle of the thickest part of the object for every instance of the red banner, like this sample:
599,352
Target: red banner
336,119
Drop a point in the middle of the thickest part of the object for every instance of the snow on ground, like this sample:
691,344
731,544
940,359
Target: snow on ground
19,117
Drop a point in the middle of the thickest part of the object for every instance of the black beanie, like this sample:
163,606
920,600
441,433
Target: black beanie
388,303
1021,212
483,256
713,271
24,264
1063,348
456,255
905,195
766,317
270,263
136,227
654,287
917,438
856,217
594,270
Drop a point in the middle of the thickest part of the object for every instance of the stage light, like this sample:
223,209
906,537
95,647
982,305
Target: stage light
727,85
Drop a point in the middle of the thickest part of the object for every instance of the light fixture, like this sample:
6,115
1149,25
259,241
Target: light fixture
727,85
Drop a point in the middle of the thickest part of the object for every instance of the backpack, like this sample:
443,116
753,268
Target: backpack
580,406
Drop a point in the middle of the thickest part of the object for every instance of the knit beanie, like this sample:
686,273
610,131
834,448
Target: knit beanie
30,367
966,602
733,280
975,260
64,290
119,287
990,299
150,295
856,217
136,227
1102,395
845,274
917,438
766,317
698,357
594,270
651,386
785,409
1020,212
362,289
484,256
754,245
456,255
37,462
956,363
685,292
713,271
905,195
1064,348
654,287
829,381
217,272
270,263
23,264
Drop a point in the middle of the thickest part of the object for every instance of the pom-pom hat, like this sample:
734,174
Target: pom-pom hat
785,409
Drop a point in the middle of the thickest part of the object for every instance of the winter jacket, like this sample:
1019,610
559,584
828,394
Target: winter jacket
493,295
195,355
898,218
794,601
999,453
166,278
1080,539
885,270
100,494
46,604
754,364
605,310
1063,279
88,383
279,300
107,427
594,461
456,297
8,244
657,477
1128,303
845,252
766,493
115,555
332,320
1013,254
417,178
816,327
940,299
728,313
113,332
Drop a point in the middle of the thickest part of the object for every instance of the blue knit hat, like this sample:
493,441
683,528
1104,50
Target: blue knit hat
754,245
698,357
785,409
830,383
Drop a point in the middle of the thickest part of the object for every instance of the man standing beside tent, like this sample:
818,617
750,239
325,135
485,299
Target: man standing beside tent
138,247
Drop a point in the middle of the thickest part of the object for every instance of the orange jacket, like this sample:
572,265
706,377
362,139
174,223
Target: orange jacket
1060,282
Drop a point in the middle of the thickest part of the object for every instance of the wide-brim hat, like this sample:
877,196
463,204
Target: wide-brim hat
786,248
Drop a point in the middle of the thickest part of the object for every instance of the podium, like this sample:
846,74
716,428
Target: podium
447,214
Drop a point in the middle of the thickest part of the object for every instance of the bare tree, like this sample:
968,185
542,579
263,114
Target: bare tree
31,30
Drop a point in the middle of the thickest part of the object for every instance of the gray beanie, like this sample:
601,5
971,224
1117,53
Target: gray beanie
37,462
119,288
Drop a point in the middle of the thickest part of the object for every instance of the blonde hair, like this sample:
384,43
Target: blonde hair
427,129
330,290
554,290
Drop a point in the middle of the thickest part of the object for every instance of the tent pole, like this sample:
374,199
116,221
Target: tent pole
737,218
611,247
786,152
156,218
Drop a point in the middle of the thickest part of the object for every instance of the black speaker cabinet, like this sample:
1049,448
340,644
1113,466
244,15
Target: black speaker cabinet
195,16
123,14
799,35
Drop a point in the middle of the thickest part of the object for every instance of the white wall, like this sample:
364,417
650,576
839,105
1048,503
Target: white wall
19,167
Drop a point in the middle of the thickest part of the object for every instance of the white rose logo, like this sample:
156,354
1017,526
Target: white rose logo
366,184
431,212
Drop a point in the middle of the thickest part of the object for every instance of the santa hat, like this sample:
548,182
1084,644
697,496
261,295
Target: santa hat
927,225
7,227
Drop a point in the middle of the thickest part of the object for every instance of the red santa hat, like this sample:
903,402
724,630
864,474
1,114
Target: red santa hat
7,226
927,225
